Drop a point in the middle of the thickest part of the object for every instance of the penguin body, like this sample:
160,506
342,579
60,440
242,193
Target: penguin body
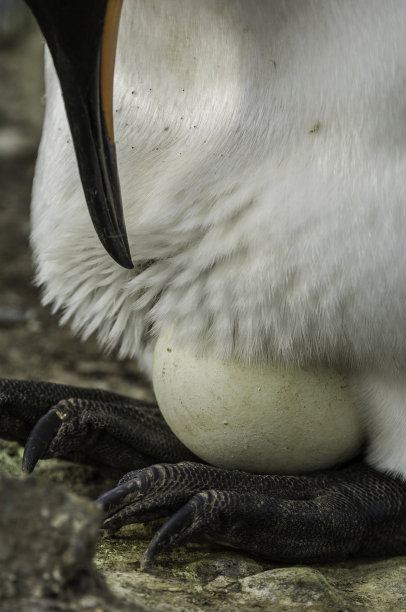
261,150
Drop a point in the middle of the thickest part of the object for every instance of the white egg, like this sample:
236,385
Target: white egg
259,419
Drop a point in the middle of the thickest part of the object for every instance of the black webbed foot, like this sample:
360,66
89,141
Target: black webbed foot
313,518
85,425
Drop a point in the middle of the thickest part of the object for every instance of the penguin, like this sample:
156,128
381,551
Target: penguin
245,191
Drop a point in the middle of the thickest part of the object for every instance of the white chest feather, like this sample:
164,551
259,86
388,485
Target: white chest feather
261,150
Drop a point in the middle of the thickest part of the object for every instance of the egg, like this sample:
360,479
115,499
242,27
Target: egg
263,419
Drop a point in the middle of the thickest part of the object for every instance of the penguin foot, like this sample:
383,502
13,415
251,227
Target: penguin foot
85,425
319,517
350,511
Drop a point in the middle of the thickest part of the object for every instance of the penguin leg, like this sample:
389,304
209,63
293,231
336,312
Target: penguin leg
85,425
351,511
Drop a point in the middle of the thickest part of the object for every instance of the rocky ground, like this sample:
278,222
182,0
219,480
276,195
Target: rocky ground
52,556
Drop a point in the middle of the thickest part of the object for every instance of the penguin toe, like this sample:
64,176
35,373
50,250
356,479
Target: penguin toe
85,425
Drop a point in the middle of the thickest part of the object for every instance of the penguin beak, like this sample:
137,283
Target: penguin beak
82,37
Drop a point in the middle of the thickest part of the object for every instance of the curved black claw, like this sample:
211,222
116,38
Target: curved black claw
40,438
171,534
120,498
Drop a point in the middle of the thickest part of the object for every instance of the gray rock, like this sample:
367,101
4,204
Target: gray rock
47,543
296,588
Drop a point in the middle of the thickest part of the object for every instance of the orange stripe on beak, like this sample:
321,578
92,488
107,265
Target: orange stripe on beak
108,56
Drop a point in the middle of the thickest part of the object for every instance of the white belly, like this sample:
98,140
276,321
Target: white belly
260,419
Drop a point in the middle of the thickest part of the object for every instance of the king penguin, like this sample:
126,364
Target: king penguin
261,153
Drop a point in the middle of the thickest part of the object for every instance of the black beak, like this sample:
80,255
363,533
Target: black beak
82,37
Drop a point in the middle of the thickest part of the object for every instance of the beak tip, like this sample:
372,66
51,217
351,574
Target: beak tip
127,263
120,252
